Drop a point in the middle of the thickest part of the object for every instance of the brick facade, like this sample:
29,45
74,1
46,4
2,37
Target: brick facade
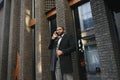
1,20
42,37
49,4
31,44
14,36
106,40
26,46
4,40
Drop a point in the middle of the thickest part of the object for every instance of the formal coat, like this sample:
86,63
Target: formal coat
67,45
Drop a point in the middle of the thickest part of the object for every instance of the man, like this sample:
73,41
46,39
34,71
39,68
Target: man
61,45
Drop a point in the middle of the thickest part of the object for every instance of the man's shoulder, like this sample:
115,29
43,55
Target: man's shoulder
68,35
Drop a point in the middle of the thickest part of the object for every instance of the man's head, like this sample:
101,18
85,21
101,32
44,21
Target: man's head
60,30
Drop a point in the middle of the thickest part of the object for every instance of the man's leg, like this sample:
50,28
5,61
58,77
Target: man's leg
58,74
58,71
68,76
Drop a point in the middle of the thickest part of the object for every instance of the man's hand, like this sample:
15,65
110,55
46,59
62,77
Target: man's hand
54,35
59,52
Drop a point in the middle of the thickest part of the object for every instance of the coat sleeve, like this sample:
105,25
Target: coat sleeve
51,44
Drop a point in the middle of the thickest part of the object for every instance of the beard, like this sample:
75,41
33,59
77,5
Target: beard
59,34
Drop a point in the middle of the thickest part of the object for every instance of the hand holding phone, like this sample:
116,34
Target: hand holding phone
55,35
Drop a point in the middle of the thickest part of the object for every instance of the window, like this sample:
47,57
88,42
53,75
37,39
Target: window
92,57
85,15
52,24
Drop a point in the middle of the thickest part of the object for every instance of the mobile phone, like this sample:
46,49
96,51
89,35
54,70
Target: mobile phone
56,33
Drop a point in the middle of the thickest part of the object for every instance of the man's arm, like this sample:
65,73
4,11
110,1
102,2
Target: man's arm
53,38
70,48
51,44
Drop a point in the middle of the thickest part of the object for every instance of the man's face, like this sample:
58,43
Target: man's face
60,31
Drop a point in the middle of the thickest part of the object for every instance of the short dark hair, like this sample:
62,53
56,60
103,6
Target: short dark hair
62,27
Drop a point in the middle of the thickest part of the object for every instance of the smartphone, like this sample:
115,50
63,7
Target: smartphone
56,33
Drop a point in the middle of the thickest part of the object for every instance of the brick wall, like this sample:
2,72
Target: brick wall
1,20
42,37
20,37
5,40
14,36
49,4
26,46
104,36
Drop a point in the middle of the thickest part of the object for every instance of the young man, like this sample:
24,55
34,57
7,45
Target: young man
61,45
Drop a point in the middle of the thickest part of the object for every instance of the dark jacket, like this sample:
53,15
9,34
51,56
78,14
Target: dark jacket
67,45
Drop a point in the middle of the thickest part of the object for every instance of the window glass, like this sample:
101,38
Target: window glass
85,15
92,57
52,24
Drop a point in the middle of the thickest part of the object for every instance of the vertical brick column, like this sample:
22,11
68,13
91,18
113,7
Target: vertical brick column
105,41
1,13
13,38
65,19
4,40
42,37
64,15
26,51
1,20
